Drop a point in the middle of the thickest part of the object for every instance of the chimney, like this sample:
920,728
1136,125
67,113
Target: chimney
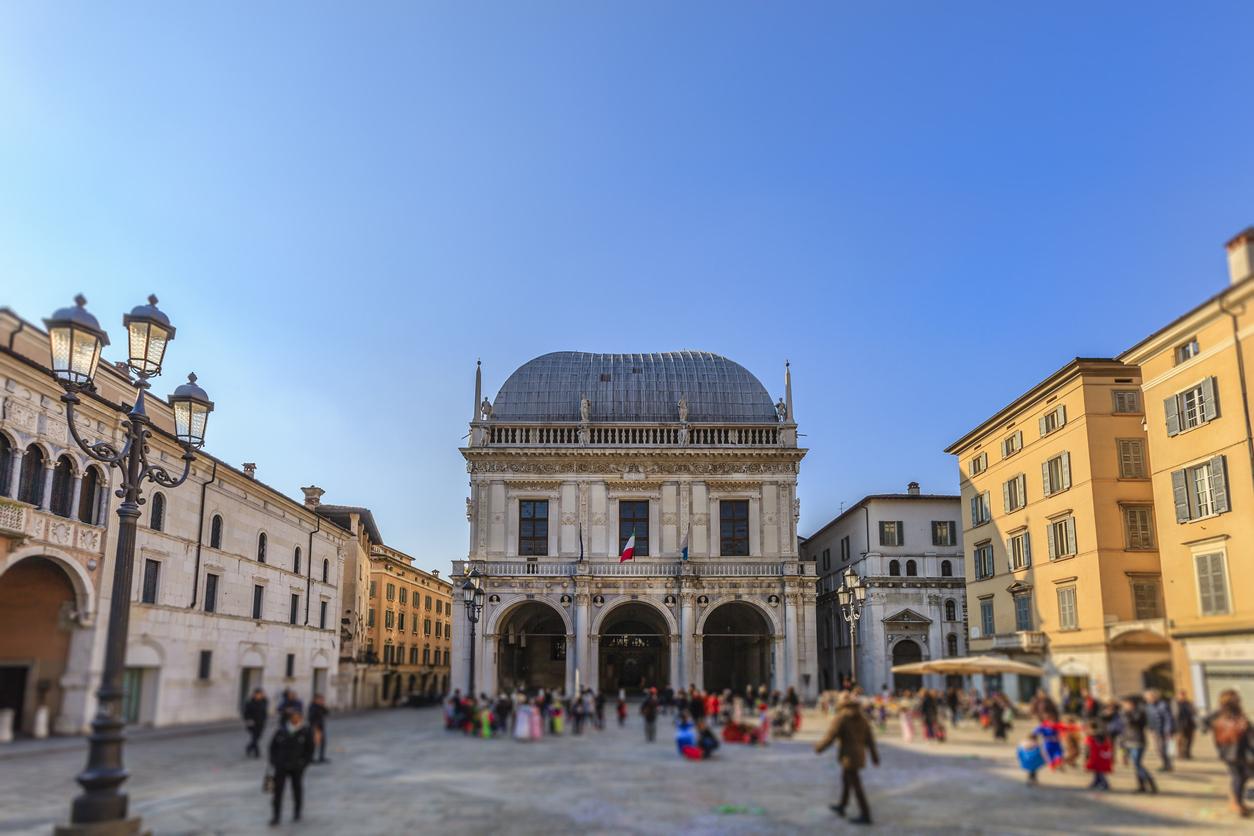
313,496
913,489
1241,255
435,573
250,469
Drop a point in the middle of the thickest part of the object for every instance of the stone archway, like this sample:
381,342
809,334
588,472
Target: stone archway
37,600
905,652
531,648
736,648
633,651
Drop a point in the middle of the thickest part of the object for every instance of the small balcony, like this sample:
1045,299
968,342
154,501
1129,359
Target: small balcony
1030,641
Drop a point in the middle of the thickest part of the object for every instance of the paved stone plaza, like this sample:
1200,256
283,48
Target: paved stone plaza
399,771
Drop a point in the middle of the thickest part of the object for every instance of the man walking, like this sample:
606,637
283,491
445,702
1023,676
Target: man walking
291,750
851,729
318,712
1161,723
255,711
648,710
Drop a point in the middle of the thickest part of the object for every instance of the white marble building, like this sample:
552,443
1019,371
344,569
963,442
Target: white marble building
579,451
235,584
907,548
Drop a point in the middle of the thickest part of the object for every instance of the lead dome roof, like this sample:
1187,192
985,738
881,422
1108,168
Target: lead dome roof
634,387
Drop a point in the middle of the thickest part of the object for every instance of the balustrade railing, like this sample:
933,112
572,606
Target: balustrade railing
633,435
610,569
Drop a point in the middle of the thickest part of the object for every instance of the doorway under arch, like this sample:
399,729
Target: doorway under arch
36,597
736,648
531,649
905,652
634,649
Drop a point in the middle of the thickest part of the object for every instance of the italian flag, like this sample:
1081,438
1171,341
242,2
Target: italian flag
628,550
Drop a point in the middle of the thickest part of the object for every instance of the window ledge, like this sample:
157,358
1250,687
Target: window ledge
1201,519
1063,557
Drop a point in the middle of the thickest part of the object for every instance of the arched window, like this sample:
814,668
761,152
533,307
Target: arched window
296,560
215,532
6,465
951,644
912,568
62,487
31,484
326,570
89,497
261,547
951,611
894,568
156,520
947,570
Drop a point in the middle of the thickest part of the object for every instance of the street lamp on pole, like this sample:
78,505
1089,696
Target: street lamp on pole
472,597
75,340
852,595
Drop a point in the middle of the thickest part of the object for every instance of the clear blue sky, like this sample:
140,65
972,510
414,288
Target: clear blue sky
341,206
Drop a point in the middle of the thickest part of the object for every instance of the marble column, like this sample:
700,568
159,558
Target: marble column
45,500
15,471
76,495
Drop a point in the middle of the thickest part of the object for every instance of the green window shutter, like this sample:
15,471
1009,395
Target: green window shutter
1066,470
1027,549
1042,423
1062,414
1205,583
1010,561
1210,400
901,533
1072,548
1180,494
1005,496
1172,408
1219,484
1045,478
1023,489
1049,541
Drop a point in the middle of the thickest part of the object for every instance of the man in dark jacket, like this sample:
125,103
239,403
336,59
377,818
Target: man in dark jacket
1186,725
291,750
255,711
318,712
1162,723
851,729
648,710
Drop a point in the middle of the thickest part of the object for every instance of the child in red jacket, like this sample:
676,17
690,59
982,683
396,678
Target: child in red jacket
1101,755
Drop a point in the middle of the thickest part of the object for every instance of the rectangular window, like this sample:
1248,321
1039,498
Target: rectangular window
533,527
1061,536
1212,583
205,667
152,572
1056,474
427,603
827,559
259,594
633,518
1067,618
891,533
322,615
734,527
404,593
426,655
1131,458
211,593
1053,420
413,655
1126,401
1192,407
1014,493
1138,525
944,533
988,627
981,510
391,592
293,609
979,464
370,617
1202,490
1012,444
983,561
290,668
400,621
1145,599
844,548
374,589
1023,612
1187,351
1019,550
389,619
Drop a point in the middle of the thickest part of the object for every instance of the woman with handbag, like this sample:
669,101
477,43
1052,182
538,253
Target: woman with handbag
1233,742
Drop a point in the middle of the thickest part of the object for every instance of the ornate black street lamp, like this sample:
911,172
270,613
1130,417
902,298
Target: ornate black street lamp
472,597
851,595
75,339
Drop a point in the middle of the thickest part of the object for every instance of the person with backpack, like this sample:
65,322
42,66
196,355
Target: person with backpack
1234,743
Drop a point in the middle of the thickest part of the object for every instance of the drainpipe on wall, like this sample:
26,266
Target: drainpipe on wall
200,533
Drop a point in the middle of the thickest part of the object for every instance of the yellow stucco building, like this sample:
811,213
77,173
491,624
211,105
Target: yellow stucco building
1062,562
410,625
1196,386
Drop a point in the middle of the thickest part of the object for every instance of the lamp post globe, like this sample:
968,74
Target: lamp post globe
74,342
191,407
468,593
148,332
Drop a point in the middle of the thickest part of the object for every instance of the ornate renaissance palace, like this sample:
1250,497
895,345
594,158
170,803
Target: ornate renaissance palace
686,451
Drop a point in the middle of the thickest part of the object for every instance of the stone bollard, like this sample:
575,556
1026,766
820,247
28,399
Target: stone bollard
6,725
40,728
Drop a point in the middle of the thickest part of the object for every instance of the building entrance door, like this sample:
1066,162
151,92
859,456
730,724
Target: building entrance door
905,652
736,649
13,691
249,681
634,649
531,649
